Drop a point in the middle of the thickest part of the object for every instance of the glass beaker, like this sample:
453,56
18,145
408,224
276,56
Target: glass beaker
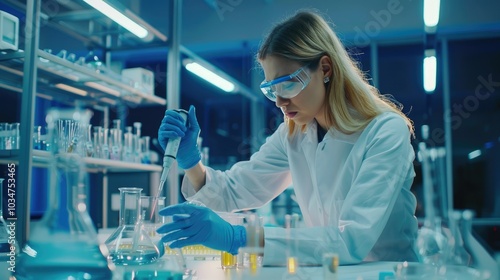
228,260
129,244
64,244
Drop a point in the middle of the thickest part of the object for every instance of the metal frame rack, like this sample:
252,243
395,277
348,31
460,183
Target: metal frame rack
33,72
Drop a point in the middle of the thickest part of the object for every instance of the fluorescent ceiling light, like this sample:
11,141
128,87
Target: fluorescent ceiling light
474,154
431,12
210,76
71,89
430,71
118,17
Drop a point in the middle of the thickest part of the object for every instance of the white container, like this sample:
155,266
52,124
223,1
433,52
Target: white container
143,79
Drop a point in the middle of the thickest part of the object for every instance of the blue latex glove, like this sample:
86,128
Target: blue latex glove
172,126
194,224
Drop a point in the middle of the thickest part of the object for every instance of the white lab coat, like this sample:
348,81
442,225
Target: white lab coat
353,191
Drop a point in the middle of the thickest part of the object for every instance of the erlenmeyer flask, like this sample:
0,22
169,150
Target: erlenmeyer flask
129,244
64,245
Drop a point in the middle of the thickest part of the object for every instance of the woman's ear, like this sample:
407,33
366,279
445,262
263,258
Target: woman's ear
326,66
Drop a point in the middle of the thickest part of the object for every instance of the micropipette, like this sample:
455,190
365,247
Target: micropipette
168,159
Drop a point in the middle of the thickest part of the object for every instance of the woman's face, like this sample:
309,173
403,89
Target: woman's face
310,102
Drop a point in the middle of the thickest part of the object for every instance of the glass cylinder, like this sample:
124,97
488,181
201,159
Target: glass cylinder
434,240
129,244
64,244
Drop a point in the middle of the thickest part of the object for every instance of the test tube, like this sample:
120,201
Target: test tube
97,149
89,147
105,147
37,138
291,251
253,247
128,145
146,157
137,142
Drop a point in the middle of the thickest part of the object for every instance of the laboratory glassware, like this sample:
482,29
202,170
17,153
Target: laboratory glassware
4,133
89,146
146,153
330,263
151,219
64,244
434,241
15,139
37,138
229,260
129,244
292,261
253,249
480,259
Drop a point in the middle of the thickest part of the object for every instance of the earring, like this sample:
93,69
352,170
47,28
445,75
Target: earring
326,79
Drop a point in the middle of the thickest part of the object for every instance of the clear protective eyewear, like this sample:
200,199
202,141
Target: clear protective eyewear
287,86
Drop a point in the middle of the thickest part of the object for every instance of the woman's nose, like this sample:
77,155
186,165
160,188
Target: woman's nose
280,101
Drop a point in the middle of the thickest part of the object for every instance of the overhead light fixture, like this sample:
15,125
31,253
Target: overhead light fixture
209,76
474,154
118,17
431,14
430,70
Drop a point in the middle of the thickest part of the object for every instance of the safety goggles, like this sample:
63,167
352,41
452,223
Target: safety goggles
287,86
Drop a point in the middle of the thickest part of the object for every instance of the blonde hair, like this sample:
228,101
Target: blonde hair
305,38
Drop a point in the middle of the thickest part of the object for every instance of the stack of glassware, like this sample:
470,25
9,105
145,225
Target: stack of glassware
445,243
64,245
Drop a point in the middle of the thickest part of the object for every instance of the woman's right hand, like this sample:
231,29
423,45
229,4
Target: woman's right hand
172,126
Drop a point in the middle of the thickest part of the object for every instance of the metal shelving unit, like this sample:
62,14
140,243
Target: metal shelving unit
41,159
64,80
32,72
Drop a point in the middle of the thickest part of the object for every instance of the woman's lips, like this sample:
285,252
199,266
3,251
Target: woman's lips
290,115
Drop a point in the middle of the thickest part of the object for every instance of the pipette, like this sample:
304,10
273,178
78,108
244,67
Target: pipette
168,159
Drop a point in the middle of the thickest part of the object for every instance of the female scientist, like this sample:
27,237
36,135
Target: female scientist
344,147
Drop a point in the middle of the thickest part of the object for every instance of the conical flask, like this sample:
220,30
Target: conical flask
129,244
64,245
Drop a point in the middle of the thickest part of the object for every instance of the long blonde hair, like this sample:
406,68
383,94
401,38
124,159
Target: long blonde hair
305,38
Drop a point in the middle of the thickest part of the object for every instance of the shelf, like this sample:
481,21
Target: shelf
41,159
66,81
87,25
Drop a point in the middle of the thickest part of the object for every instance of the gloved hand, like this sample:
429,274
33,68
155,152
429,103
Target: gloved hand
194,224
172,126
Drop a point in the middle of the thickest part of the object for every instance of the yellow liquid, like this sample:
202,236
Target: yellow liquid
253,263
193,250
227,260
292,265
